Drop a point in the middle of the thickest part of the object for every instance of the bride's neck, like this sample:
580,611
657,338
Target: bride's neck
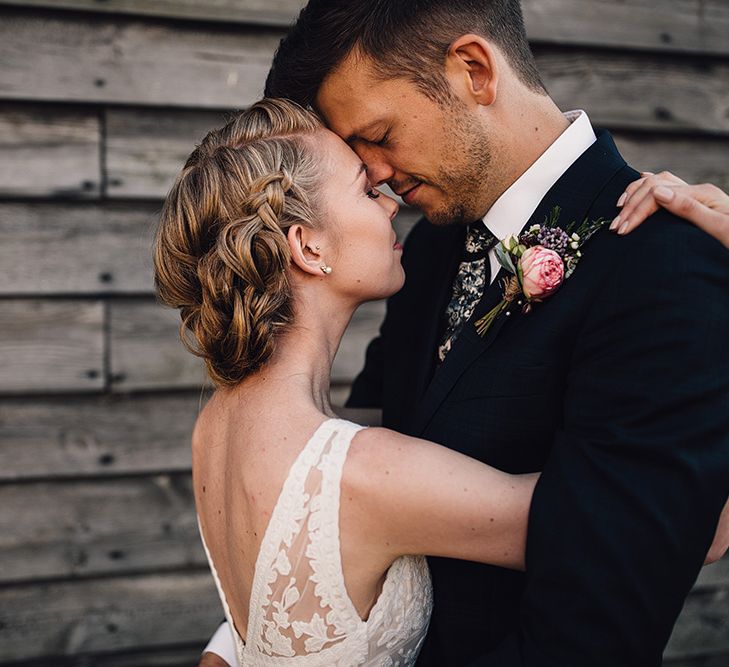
300,369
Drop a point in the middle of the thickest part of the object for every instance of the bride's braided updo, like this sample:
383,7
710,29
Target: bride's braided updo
221,254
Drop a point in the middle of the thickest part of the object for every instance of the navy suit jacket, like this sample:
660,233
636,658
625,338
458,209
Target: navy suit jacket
617,387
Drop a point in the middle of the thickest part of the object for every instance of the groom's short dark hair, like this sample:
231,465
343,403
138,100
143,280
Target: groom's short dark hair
402,38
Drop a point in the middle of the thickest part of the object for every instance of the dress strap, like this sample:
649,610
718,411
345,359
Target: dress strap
299,603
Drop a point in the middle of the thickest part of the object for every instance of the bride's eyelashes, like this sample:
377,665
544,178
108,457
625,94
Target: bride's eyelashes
372,193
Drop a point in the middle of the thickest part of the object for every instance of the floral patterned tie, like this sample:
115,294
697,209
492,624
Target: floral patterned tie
474,275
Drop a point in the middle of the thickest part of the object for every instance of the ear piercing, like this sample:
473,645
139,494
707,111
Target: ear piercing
326,270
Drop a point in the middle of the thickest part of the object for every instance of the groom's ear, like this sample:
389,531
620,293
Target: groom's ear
472,68
304,247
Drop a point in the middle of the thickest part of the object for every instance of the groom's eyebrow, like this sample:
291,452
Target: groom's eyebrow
362,168
357,134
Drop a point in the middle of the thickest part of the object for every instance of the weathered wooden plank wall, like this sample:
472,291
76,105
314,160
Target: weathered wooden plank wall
99,104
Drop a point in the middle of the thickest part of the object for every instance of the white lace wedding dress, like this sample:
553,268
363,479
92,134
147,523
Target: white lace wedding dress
300,613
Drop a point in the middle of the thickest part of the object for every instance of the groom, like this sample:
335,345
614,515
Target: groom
616,386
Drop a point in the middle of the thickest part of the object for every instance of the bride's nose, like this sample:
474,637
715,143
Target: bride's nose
391,205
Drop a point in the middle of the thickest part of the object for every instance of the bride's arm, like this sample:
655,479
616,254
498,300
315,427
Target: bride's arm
410,496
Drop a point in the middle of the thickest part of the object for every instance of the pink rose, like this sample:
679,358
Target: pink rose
542,272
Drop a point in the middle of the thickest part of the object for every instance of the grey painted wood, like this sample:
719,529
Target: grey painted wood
51,346
695,159
133,612
130,62
623,90
146,149
261,12
119,60
146,353
49,152
186,655
672,25
96,436
71,248
702,628
97,527
680,25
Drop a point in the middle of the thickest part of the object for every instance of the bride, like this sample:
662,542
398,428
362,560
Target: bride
314,527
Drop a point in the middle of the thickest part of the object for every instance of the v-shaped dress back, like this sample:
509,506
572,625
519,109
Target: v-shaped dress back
300,612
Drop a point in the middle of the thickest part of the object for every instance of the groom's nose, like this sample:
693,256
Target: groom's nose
379,171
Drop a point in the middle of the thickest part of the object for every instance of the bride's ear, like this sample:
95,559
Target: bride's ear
305,251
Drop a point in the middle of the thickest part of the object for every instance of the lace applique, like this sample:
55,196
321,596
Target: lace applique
300,612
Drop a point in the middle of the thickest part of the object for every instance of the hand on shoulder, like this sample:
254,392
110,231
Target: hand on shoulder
706,205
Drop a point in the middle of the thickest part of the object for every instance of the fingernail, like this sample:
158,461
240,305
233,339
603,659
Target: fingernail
614,224
624,228
663,193
622,199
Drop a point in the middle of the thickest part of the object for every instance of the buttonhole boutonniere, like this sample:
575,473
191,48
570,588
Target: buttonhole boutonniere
539,261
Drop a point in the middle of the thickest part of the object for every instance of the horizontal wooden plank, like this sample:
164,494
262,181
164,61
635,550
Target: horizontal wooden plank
622,90
59,530
718,660
695,159
117,60
96,435
673,25
703,626
71,248
697,26
71,618
258,12
132,62
146,149
51,346
49,152
146,353
177,656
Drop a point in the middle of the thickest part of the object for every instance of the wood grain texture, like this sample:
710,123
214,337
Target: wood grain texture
49,152
51,346
131,62
697,26
630,91
146,149
54,248
96,436
258,12
702,629
146,353
134,612
183,655
695,159
120,60
97,527
672,25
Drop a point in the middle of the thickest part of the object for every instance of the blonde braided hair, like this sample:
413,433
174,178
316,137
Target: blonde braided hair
221,254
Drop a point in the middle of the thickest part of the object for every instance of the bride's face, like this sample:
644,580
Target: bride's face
362,246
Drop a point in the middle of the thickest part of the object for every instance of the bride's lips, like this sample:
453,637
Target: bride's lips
397,246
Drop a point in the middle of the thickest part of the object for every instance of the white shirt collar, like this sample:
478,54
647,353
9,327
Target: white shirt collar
511,212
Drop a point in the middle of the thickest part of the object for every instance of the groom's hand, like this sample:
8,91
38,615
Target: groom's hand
212,660
721,539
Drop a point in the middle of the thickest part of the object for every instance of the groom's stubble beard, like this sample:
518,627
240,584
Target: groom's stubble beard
464,173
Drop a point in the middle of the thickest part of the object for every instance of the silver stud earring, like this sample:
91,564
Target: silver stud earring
326,270
317,247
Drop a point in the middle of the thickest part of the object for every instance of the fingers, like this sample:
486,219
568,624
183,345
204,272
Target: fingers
688,202
638,202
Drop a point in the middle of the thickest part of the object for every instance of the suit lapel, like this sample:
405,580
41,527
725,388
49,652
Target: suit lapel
574,193
426,294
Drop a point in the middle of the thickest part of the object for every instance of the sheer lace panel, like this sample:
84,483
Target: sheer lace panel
300,612
300,600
